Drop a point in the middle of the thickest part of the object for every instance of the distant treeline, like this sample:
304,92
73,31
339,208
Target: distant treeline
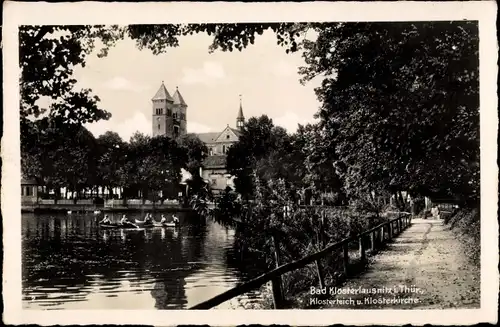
70,157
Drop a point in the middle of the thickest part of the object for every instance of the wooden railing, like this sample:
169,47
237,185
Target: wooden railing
378,236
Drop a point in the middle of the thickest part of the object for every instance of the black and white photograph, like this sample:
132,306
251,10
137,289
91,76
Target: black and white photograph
246,165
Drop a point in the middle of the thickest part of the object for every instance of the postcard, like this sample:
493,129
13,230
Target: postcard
259,163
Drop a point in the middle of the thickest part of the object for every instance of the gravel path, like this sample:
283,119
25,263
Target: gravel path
427,267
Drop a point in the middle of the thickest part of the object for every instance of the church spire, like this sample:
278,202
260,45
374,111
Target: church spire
178,99
162,94
240,119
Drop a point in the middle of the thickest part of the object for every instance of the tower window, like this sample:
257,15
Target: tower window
169,112
158,126
227,137
176,131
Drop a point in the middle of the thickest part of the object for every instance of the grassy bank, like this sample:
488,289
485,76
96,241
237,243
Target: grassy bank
466,225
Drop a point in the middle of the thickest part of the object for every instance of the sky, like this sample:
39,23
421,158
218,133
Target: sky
266,77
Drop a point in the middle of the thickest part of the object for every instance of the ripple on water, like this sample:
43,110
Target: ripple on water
79,264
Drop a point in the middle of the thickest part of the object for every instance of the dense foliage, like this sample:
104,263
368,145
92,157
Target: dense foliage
400,102
47,56
62,157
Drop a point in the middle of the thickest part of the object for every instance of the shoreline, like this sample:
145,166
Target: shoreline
92,208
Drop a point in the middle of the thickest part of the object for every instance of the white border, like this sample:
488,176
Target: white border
18,13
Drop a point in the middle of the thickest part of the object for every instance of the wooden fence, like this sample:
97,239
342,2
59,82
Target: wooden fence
368,240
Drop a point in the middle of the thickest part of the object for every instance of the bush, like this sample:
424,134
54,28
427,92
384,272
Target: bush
299,231
466,223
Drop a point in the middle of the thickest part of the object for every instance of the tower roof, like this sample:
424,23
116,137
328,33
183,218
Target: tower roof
240,112
178,99
162,94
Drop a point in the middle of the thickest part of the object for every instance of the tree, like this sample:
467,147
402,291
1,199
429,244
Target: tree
58,157
111,156
165,160
40,147
47,57
227,37
135,157
317,150
403,102
254,143
196,152
153,165
75,163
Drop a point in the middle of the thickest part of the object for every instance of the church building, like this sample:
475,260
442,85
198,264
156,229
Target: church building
170,119
169,113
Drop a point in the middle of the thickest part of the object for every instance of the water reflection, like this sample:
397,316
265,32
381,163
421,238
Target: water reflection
70,263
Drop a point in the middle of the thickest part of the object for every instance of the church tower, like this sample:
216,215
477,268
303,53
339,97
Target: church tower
240,119
169,113
179,114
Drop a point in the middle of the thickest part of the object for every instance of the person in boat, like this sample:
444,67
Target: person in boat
175,219
105,220
148,219
163,219
125,220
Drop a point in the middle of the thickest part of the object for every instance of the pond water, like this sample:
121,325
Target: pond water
70,263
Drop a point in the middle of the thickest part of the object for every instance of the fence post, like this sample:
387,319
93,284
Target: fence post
390,232
372,240
276,282
320,274
345,249
362,249
382,235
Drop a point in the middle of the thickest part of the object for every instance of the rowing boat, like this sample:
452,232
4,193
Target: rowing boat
145,224
120,226
166,224
138,225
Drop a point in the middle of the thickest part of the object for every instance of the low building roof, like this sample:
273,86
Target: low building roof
236,131
28,181
217,161
207,137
